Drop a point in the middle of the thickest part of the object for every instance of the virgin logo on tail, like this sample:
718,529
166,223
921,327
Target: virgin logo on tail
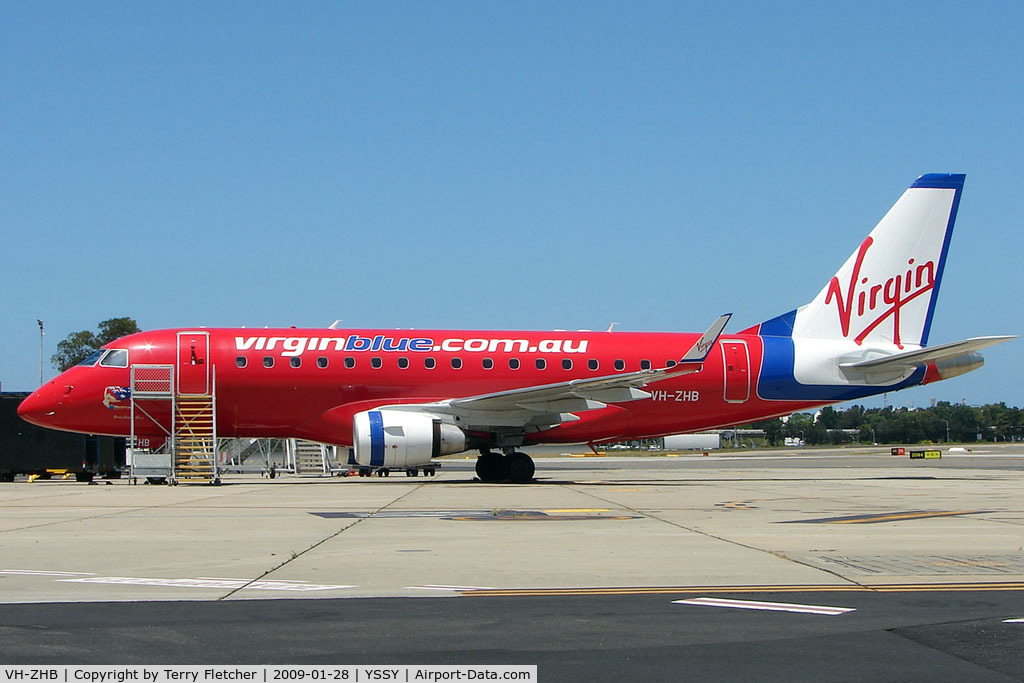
882,300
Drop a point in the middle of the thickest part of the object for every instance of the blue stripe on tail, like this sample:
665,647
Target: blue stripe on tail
946,181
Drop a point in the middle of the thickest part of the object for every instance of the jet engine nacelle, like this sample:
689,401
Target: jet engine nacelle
397,439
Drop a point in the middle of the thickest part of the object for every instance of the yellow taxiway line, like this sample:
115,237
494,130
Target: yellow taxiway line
673,590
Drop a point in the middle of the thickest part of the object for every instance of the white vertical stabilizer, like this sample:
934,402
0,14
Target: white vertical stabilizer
884,295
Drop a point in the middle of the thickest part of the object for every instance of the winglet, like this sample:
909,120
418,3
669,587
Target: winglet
702,346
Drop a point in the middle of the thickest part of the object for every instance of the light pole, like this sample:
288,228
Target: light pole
42,333
947,429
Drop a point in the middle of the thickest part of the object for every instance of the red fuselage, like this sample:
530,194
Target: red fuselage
308,383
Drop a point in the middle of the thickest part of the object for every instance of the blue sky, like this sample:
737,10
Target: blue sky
509,165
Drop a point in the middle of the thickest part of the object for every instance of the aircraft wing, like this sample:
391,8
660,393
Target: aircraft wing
931,354
550,404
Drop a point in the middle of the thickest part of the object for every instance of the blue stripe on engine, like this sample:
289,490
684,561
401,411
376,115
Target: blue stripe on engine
376,439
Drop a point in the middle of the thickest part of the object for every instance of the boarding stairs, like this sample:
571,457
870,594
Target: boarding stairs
195,439
189,422
309,457
241,450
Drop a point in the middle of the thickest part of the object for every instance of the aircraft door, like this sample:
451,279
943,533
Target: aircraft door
194,363
736,366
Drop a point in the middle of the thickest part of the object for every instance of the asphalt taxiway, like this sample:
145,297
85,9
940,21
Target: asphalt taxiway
604,566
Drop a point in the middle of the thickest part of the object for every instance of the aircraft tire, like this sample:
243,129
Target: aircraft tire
490,467
520,467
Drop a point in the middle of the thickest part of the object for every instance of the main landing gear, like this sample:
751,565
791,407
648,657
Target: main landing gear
514,466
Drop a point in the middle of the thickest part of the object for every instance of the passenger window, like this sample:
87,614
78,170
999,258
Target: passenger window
670,363
645,365
620,364
541,363
241,361
456,363
566,364
268,361
115,358
350,362
321,362
593,364
403,362
429,363
295,361
488,363
513,363
376,362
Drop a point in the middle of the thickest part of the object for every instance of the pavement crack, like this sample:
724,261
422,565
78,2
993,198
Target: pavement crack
117,511
120,511
780,555
339,532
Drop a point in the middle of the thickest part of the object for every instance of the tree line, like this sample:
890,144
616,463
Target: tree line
77,346
942,423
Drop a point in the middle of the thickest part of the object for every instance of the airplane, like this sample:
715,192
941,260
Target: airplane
400,398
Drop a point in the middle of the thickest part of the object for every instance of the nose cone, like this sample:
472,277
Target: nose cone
40,407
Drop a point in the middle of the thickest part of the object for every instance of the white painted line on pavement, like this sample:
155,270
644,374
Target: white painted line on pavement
223,578
436,587
770,606
201,582
1013,621
224,584
34,572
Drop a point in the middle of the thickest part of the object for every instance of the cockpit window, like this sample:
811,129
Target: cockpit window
93,357
115,358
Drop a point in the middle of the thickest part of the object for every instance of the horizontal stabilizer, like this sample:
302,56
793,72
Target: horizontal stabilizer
932,354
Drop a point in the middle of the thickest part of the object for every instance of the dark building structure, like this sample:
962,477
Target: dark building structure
28,449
